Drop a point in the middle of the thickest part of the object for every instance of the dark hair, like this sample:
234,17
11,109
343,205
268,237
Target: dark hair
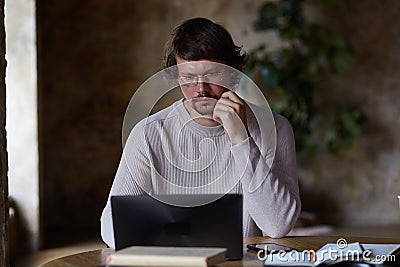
200,38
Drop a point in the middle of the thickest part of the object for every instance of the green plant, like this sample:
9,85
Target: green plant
308,55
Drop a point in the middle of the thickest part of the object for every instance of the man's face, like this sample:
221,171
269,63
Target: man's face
197,80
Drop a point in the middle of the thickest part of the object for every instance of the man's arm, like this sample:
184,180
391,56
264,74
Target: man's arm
271,193
131,178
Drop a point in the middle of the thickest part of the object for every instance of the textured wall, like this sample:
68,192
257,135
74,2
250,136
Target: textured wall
94,54
361,185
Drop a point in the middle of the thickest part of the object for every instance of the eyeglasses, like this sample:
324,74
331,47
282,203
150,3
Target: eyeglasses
193,80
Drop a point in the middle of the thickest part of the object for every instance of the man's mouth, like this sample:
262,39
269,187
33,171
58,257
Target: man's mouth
204,105
204,101
201,99
204,98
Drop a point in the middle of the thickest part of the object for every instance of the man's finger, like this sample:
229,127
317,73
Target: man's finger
232,96
229,103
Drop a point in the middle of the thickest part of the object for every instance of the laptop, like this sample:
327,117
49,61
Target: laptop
145,221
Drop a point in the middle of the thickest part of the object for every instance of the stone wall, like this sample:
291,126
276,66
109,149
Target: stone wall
92,56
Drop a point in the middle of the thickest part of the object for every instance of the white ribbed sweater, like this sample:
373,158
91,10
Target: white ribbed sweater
169,153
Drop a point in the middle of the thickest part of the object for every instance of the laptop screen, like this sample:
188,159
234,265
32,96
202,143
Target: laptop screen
145,221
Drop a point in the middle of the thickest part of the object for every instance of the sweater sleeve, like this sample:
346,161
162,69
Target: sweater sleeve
271,194
130,179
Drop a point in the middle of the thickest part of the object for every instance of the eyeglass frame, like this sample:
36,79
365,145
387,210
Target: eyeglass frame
196,79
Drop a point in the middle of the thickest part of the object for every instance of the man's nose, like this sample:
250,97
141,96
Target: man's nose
202,86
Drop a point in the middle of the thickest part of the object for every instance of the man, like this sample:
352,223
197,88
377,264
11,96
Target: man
212,140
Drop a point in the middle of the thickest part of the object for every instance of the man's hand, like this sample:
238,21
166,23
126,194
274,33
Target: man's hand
230,111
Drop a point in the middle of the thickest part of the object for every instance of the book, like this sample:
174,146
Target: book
166,256
333,253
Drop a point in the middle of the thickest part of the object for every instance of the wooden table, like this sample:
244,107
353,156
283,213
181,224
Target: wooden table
96,258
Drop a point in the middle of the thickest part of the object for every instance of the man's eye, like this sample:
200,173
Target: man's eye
188,78
213,76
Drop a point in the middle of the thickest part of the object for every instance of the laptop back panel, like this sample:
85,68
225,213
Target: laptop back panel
145,221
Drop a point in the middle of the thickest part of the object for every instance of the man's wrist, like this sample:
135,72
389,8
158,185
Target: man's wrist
239,141
239,138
